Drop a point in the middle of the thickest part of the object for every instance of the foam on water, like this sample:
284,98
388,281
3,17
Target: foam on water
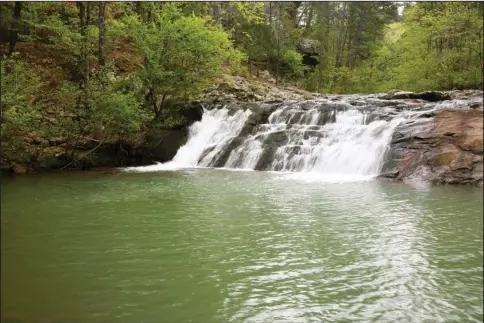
169,166
326,178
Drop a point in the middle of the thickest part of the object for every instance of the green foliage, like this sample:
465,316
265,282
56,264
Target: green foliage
440,48
436,46
20,114
18,88
293,61
181,54
116,109
156,54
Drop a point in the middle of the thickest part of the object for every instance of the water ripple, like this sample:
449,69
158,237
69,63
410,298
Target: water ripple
219,246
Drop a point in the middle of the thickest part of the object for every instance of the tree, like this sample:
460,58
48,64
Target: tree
181,54
15,26
102,33
440,48
19,110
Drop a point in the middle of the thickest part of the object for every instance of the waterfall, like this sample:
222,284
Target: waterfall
210,136
323,139
206,138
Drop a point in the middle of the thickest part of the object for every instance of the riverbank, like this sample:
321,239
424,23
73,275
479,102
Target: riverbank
443,146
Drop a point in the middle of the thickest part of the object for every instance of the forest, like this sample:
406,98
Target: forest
112,69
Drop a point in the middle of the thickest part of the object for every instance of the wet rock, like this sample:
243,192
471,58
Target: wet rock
191,113
266,159
276,139
476,106
466,94
432,96
162,144
220,159
18,169
446,148
465,125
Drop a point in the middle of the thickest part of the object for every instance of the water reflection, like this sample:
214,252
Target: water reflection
384,271
221,246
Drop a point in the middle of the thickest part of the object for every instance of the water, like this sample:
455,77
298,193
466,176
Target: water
212,134
204,245
332,140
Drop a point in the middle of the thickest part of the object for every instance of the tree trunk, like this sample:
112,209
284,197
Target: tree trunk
138,8
323,14
340,44
102,34
84,50
152,98
269,58
341,32
88,21
270,13
278,58
82,15
64,15
278,39
309,18
292,10
88,13
149,11
359,31
14,27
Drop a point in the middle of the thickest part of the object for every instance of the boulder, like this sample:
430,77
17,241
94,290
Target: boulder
162,144
232,89
446,148
432,96
266,76
18,169
308,46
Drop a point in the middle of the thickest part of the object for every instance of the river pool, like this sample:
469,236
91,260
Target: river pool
204,245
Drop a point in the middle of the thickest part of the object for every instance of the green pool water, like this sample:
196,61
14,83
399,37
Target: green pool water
205,245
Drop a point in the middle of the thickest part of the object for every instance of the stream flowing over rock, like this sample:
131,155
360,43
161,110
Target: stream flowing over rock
410,137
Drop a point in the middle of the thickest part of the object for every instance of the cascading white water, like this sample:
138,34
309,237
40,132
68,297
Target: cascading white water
216,129
347,148
214,132
338,143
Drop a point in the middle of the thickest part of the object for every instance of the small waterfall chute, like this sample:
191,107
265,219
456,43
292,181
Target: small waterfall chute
213,133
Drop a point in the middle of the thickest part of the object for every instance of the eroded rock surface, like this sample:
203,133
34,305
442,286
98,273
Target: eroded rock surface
239,89
446,148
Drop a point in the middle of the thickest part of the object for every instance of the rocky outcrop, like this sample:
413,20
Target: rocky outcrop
158,144
308,46
18,169
432,96
240,89
440,143
444,147
162,144
309,49
435,96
